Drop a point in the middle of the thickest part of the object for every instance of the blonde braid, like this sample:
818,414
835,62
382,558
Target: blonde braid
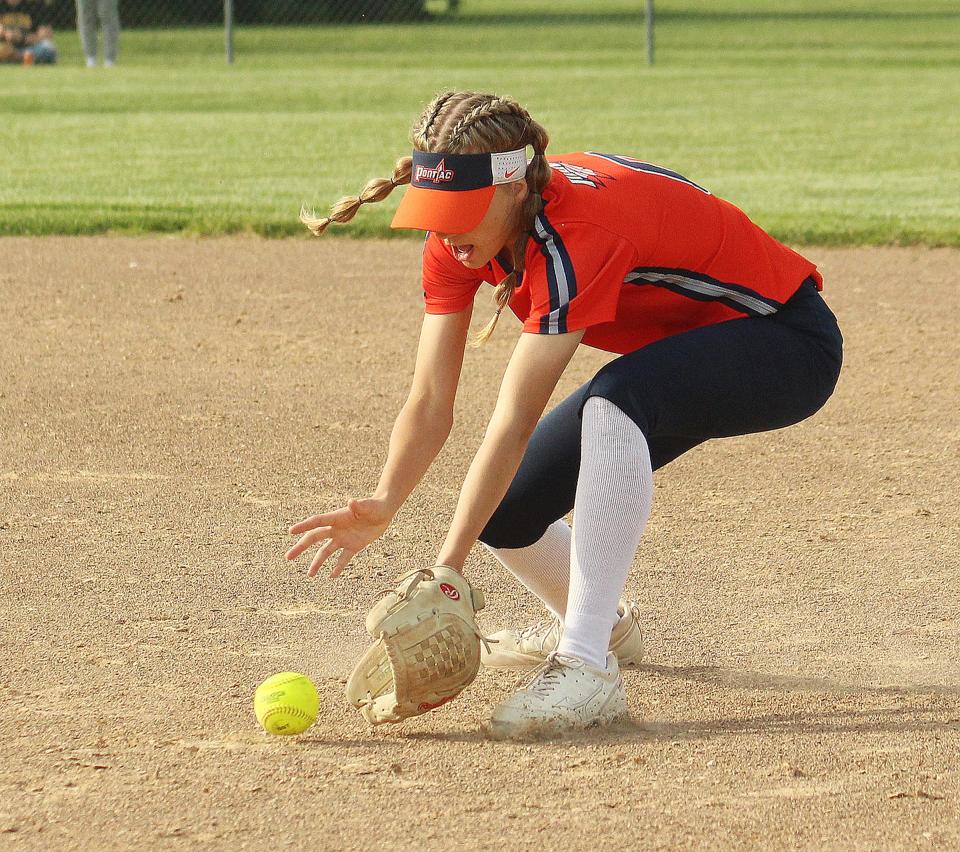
421,133
489,109
346,208
376,190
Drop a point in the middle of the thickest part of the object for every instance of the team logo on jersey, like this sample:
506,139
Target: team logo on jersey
636,165
435,174
581,175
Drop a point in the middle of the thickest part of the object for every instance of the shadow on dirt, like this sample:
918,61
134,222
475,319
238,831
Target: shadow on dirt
835,721
795,683
831,718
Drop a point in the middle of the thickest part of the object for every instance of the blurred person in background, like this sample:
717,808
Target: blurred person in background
88,11
25,33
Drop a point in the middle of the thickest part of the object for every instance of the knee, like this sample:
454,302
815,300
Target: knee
513,526
828,378
631,398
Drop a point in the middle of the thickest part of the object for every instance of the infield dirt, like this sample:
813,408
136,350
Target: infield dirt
168,407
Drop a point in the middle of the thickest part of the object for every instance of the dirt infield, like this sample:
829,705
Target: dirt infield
169,406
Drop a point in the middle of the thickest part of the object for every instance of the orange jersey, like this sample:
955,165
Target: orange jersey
631,252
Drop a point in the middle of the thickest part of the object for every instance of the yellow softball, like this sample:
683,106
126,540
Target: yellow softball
286,703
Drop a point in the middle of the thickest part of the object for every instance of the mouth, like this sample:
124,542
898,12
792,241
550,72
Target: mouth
462,253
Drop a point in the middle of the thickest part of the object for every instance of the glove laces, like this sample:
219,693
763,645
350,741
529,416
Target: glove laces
419,575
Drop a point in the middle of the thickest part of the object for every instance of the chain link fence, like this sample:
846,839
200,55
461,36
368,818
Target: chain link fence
236,14
180,13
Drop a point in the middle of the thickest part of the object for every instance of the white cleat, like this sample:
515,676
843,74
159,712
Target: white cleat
564,694
529,647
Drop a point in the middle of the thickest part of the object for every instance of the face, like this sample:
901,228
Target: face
499,228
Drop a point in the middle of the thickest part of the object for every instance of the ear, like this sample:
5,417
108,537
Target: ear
520,191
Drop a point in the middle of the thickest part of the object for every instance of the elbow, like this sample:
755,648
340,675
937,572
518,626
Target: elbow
524,430
444,425
516,430
435,416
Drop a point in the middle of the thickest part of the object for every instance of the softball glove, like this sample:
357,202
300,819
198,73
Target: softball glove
427,648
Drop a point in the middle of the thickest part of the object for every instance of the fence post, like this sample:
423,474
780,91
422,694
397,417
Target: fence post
649,32
228,29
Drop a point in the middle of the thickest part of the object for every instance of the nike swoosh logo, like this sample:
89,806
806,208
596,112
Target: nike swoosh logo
508,175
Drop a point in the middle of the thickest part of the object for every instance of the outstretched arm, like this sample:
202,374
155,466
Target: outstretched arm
531,377
427,416
419,433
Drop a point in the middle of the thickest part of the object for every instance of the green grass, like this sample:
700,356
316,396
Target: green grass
828,121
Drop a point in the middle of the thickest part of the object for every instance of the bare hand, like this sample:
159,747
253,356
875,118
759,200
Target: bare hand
348,530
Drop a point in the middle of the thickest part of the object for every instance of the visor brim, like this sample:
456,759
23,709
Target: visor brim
443,211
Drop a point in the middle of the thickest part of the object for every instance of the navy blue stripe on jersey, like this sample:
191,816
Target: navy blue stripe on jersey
649,168
696,285
561,280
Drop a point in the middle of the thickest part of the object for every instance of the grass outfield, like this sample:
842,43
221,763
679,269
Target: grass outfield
828,122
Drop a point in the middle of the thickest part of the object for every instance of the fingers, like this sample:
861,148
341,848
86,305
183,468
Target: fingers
331,529
342,561
312,523
309,540
322,556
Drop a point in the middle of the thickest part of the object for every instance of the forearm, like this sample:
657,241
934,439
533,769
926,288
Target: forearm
488,479
419,433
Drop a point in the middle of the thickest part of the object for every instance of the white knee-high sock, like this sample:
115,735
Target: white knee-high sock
614,496
543,567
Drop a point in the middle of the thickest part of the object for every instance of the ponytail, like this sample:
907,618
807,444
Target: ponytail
346,208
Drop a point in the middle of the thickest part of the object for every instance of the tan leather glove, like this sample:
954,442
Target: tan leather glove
427,648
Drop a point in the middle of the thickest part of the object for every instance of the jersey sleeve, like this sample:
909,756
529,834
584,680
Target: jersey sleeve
576,276
448,286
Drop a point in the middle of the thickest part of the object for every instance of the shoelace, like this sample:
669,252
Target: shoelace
547,677
533,630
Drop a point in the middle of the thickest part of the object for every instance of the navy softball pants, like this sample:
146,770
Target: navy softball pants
733,378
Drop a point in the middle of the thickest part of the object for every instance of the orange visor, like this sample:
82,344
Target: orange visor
450,193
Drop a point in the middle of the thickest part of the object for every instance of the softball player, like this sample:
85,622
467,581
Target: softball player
720,329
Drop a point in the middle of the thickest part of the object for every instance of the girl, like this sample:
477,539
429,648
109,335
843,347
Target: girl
721,331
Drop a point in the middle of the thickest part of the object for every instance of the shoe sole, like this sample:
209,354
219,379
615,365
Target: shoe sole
505,729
